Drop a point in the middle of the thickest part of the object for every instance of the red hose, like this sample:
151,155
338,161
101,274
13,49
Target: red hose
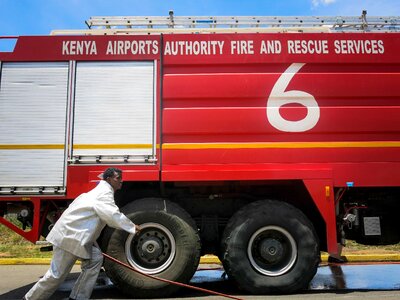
169,281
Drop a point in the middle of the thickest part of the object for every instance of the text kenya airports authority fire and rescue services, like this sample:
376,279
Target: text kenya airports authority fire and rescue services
221,47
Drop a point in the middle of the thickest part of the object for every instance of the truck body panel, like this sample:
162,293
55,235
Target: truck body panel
215,109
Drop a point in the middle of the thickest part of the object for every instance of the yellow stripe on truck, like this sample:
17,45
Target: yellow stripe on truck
113,146
33,147
184,146
79,146
281,145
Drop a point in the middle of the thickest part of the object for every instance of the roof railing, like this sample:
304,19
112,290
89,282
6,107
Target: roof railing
218,24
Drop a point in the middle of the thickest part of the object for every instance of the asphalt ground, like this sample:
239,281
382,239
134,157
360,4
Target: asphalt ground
331,281
350,281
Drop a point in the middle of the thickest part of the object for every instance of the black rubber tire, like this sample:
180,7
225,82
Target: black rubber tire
187,251
274,217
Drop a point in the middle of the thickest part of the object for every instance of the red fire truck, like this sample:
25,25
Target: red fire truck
261,140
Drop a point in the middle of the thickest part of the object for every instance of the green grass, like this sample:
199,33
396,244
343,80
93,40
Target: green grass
353,248
13,245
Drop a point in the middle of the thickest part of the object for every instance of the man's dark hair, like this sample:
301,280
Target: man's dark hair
110,173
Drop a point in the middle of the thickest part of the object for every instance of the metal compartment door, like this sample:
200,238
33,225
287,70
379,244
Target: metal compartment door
33,104
114,112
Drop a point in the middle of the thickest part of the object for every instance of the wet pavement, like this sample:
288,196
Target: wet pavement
352,281
357,277
376,276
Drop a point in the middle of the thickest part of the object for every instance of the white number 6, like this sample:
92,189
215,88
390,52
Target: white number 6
280,97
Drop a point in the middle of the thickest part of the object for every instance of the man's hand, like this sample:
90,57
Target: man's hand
137,228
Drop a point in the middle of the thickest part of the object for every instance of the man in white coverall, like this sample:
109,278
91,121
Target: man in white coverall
74,238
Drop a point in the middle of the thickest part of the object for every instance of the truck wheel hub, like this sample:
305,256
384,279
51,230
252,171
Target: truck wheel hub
152,250
272,251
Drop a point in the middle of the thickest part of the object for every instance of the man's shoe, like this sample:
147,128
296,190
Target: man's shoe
337,260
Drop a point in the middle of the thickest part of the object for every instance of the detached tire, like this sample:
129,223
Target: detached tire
168,246
270,247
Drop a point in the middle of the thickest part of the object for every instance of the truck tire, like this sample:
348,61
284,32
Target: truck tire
167,246
270,247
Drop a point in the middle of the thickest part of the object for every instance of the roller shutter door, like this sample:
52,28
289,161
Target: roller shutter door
114,111
33,104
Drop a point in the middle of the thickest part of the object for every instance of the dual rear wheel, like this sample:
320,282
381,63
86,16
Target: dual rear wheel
270,247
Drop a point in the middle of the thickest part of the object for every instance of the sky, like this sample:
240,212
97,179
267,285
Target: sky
40,17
